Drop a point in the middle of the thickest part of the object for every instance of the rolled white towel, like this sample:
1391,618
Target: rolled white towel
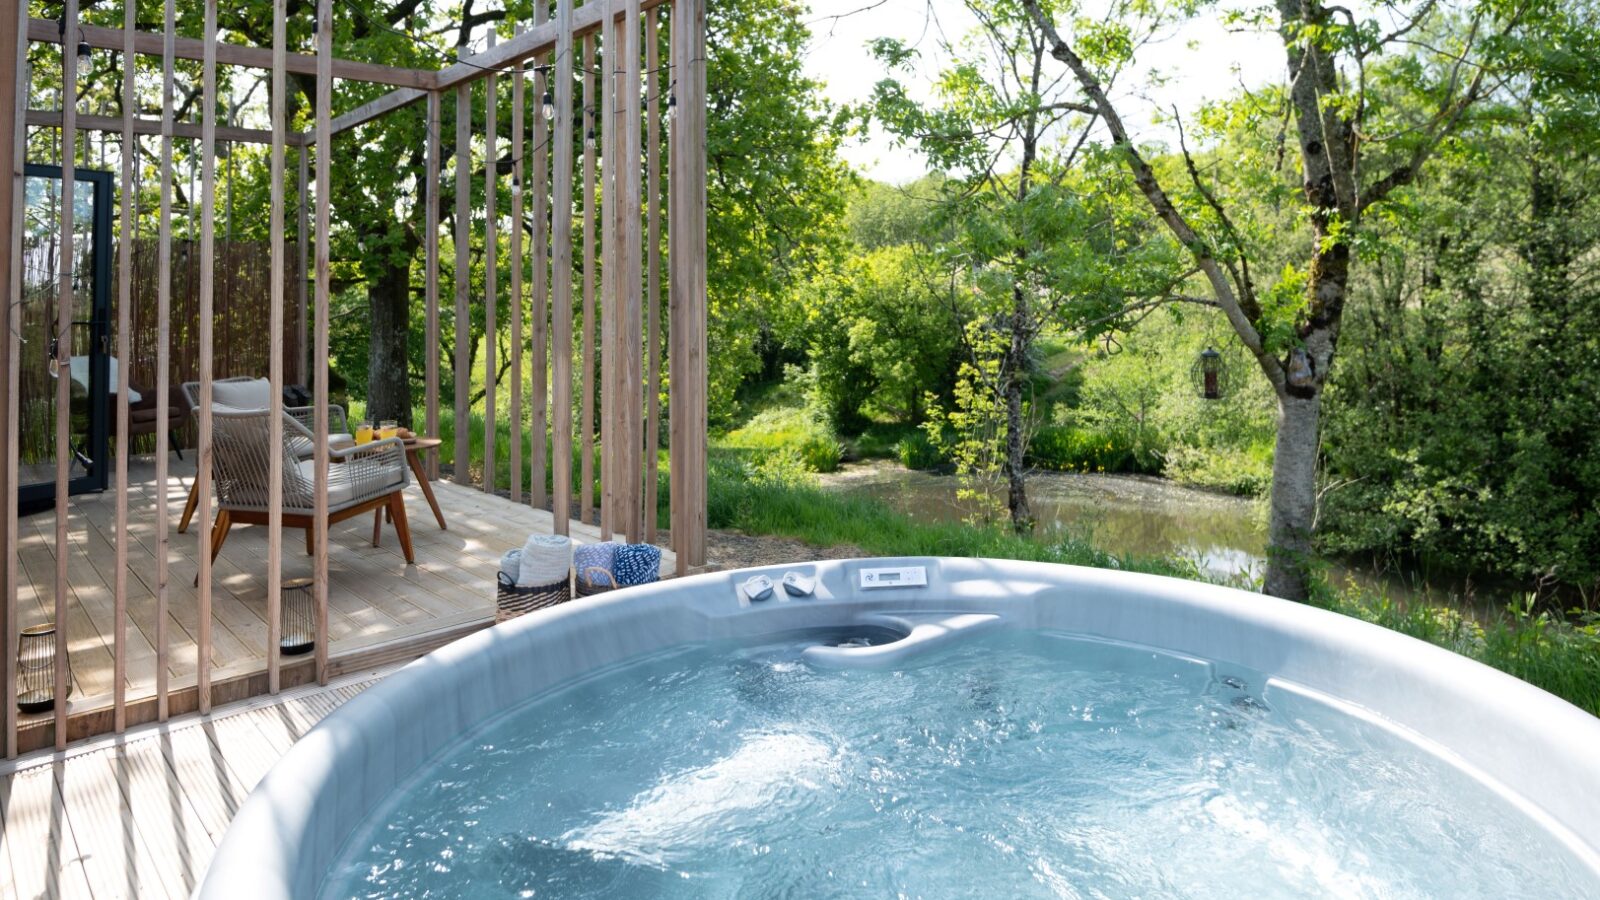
511,564
546,559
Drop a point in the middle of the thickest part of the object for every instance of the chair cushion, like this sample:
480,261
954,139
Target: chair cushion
302,447
340,491
253,394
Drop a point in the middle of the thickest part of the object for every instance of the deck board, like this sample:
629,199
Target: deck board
374,596
138,816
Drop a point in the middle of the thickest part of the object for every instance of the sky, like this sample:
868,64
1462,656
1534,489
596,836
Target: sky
1200,61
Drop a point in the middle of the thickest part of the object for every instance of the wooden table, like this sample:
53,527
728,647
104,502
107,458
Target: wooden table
415,448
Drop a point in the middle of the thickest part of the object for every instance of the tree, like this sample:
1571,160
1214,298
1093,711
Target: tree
1037,248
1292,327
776,187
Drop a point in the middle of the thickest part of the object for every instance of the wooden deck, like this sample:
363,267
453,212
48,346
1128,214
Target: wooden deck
139,815
380,608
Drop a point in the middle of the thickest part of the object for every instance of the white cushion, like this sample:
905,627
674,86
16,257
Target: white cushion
253,394
303,448
339,490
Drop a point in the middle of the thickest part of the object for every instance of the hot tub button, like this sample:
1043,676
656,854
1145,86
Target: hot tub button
798,585
757,587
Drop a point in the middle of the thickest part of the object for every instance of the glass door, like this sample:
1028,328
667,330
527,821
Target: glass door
88,372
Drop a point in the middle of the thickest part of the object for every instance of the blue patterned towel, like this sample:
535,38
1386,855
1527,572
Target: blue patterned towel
602,555
638,564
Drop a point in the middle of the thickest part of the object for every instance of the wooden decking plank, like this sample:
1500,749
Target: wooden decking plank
116,859
205,779
40,842
171,828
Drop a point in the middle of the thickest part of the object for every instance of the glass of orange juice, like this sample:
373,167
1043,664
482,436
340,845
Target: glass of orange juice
388,428
364,433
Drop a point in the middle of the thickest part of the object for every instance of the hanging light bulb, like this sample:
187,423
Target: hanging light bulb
83,47
548,105
588,138
672,108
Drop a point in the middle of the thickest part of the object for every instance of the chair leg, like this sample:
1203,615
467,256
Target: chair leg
311,541
189,507
172,441
402,530
219,532
377,526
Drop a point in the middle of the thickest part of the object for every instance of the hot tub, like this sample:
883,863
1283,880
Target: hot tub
930,726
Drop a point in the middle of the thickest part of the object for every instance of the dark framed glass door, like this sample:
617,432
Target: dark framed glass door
89,370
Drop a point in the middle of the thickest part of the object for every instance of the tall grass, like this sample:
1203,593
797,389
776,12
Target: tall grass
1560,654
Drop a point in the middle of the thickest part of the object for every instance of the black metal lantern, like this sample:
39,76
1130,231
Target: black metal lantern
299,618
36,669
1208,374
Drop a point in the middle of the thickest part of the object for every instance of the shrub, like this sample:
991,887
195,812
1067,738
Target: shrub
915,451
1080,449
821,453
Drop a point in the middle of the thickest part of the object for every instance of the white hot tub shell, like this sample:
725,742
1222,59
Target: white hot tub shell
1539,751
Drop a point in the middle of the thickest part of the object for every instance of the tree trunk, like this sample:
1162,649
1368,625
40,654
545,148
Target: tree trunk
388,377
1294,497
1016,446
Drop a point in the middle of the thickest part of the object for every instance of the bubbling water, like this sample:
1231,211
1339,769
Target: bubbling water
1013,764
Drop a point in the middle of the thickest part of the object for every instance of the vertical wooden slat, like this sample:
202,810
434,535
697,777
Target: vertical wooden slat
463,242
14,95
540,389
324,114
202,473
279,105
491,287
687,251
164,352
561,302
517,174
302,319
652,424
608,274
631,328
586,446
119,637
431,280
63,336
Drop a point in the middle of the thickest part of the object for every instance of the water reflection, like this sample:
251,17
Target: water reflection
1226,537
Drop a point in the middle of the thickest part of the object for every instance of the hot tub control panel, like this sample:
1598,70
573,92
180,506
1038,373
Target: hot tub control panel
894,577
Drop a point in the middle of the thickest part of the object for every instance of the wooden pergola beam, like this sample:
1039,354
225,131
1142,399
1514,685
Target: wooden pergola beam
51,118
48,31
382,106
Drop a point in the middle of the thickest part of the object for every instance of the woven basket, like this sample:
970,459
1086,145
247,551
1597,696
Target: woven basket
512,601
595,580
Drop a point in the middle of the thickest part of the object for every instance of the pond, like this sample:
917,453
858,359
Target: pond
1134,515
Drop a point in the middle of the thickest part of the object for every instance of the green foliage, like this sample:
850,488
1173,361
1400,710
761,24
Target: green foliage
1560,654
776,185
821,453
915,451
791,435
1069,449
880,333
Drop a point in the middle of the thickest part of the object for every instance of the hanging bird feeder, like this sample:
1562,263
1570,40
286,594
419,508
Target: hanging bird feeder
1208,374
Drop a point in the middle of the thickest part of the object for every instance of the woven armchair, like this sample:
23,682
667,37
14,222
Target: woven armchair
361,479
244,392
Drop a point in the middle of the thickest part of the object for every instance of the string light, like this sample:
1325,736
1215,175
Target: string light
549,107
84,49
